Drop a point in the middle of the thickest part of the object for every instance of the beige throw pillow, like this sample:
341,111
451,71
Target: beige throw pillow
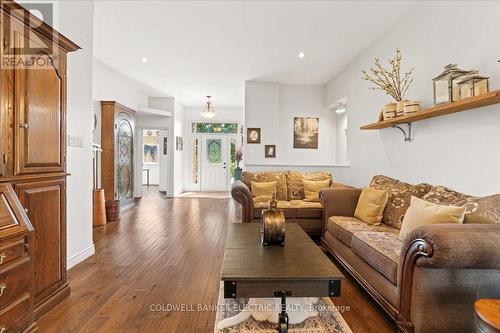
263,191
371,205
312,188
422,212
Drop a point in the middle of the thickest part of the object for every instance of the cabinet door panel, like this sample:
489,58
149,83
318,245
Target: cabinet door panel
39,116
45,205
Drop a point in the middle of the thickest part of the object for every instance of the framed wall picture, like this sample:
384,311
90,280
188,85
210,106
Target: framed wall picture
270,151
253,135
305,132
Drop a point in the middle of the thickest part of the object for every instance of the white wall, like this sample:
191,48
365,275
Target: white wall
76,22
178,176
112,86
272,108
460,150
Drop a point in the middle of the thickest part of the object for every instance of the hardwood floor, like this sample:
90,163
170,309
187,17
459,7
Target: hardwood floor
166,251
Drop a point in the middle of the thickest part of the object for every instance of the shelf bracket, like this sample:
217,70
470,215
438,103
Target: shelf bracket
407,134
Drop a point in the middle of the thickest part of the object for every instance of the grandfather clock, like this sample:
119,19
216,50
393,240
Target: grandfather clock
117,159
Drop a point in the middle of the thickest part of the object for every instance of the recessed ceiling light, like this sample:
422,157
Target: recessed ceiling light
301,55
144,59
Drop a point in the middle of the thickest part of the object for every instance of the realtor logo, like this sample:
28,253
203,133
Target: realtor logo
33,51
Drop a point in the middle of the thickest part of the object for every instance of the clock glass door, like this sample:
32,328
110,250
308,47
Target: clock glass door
125,158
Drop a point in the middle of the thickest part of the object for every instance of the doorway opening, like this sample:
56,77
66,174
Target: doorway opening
155,159
213,156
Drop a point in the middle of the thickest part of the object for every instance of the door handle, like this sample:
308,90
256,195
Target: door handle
25,126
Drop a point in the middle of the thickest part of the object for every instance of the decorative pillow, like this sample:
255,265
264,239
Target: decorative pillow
400,194
423,212
295,184
477,210
371,205
312,188
263,191
278,177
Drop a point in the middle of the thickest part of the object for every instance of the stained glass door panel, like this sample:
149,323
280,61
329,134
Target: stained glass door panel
125,159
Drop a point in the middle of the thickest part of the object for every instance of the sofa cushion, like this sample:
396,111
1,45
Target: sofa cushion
313,187
423,212
343,228
477,210
379,249
262,191
295,185
400,194
293,209
371,205
278,177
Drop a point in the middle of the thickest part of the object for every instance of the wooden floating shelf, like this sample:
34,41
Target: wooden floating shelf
469,103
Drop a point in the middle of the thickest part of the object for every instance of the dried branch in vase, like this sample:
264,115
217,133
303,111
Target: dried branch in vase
390,80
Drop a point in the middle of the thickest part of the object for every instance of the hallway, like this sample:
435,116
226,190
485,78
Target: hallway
165,251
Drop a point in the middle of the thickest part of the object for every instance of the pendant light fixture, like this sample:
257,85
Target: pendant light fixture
208,109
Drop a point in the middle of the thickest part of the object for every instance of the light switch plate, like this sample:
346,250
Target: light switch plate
75,141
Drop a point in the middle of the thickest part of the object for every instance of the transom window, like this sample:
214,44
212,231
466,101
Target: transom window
214,128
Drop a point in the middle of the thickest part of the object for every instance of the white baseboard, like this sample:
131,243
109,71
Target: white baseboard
80,256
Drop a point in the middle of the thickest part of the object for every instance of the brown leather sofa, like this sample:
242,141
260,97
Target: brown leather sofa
428,282
290,195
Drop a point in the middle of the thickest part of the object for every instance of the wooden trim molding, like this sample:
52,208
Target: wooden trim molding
416,249
16,11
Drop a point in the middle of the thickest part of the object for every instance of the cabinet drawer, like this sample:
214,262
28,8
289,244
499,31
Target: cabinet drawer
14,282
13,318
10,251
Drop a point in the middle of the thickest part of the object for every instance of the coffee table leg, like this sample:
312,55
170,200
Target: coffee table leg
283,316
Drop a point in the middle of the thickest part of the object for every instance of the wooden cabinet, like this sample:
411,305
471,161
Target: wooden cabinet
16,265
32,161
117,143
45,204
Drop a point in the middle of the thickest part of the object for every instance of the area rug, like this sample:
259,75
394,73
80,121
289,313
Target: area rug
328,320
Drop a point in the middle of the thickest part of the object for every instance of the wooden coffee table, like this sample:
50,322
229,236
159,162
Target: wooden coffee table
297,269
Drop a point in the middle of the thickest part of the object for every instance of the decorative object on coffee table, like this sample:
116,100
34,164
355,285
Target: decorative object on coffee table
487,318
446,84
298,269
473,84
273,224
305,132
253,135
270,151
391,82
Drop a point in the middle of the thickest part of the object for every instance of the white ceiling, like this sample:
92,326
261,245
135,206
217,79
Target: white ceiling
198,48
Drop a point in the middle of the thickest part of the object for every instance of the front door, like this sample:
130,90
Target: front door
214,163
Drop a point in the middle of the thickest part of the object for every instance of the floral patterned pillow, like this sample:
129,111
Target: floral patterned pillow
295,184
400,194
477,210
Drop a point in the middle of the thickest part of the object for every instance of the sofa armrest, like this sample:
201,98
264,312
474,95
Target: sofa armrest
339,201
241,193
450,247
457,245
